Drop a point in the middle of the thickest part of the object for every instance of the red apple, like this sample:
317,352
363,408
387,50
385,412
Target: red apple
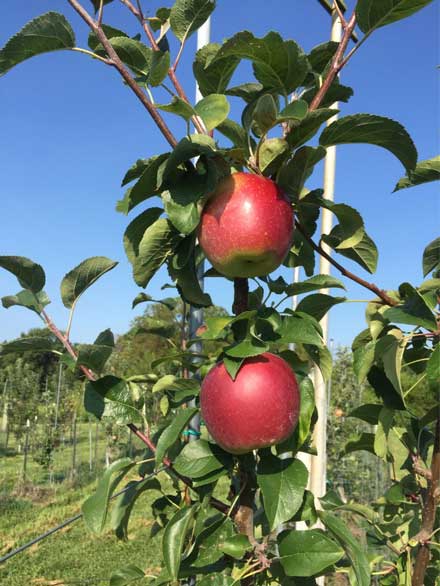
258,409
246,227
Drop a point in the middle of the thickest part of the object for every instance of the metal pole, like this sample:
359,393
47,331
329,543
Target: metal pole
57,405
196,314
26,448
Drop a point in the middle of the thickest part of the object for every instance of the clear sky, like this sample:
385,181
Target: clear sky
70,129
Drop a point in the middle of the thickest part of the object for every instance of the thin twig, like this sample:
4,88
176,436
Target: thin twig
370,286
125,74
429,512
337,64
137,12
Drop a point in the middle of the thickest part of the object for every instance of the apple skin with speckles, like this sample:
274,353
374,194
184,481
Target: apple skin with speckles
258,409
246,226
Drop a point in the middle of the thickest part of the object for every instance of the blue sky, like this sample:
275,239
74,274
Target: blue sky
70,129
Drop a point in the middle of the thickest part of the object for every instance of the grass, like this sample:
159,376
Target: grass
73,555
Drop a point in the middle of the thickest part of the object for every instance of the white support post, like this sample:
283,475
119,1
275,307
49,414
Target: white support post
196,314
319,462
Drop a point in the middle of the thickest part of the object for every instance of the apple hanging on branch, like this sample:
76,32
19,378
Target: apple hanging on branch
258,409
246,227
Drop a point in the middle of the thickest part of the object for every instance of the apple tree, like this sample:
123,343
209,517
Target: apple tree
228,510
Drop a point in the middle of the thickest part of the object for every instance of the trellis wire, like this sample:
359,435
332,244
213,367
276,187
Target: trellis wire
68,521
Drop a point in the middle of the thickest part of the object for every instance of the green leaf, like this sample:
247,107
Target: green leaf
213,110
350,230
433,366
431,257
33,301
172,432
302,131
313,284
298,329
372,14
235,546
246,348
235,132
188,15
354,550
179,107
79,279
271,154
174,538
157,327
158,242
425,172
200,458
96,3
212,532
279,65
171,383
307,407
321,55
389,349
125,502
377,130
95,355
362,442
30,275
364,253
232,365
363,360
168,302
293,175
188,283
188,148
110,32
151,66
34,344
318,304
149,182
136,229
264,113
296,110
127,574
213,78
322,357
48,32
414,310
282,483
95,508
307,553
110,396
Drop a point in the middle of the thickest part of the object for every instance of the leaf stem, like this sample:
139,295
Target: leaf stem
370,286
91,54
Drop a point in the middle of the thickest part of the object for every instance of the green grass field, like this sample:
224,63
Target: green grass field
73,555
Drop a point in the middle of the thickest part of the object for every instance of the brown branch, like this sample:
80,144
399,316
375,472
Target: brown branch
337,64
370,286
429,512
125,74
145,438
241,291
137,12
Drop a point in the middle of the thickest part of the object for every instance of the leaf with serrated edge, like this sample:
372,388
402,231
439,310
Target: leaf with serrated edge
372,14
425,172
188,15
376,130
172,432
48,32
82,277
307,553
174,539
282,483
95,508
431,257
30,275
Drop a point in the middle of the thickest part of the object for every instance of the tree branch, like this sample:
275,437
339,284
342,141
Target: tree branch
338,63
125,74
429,511
370,286
137,12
